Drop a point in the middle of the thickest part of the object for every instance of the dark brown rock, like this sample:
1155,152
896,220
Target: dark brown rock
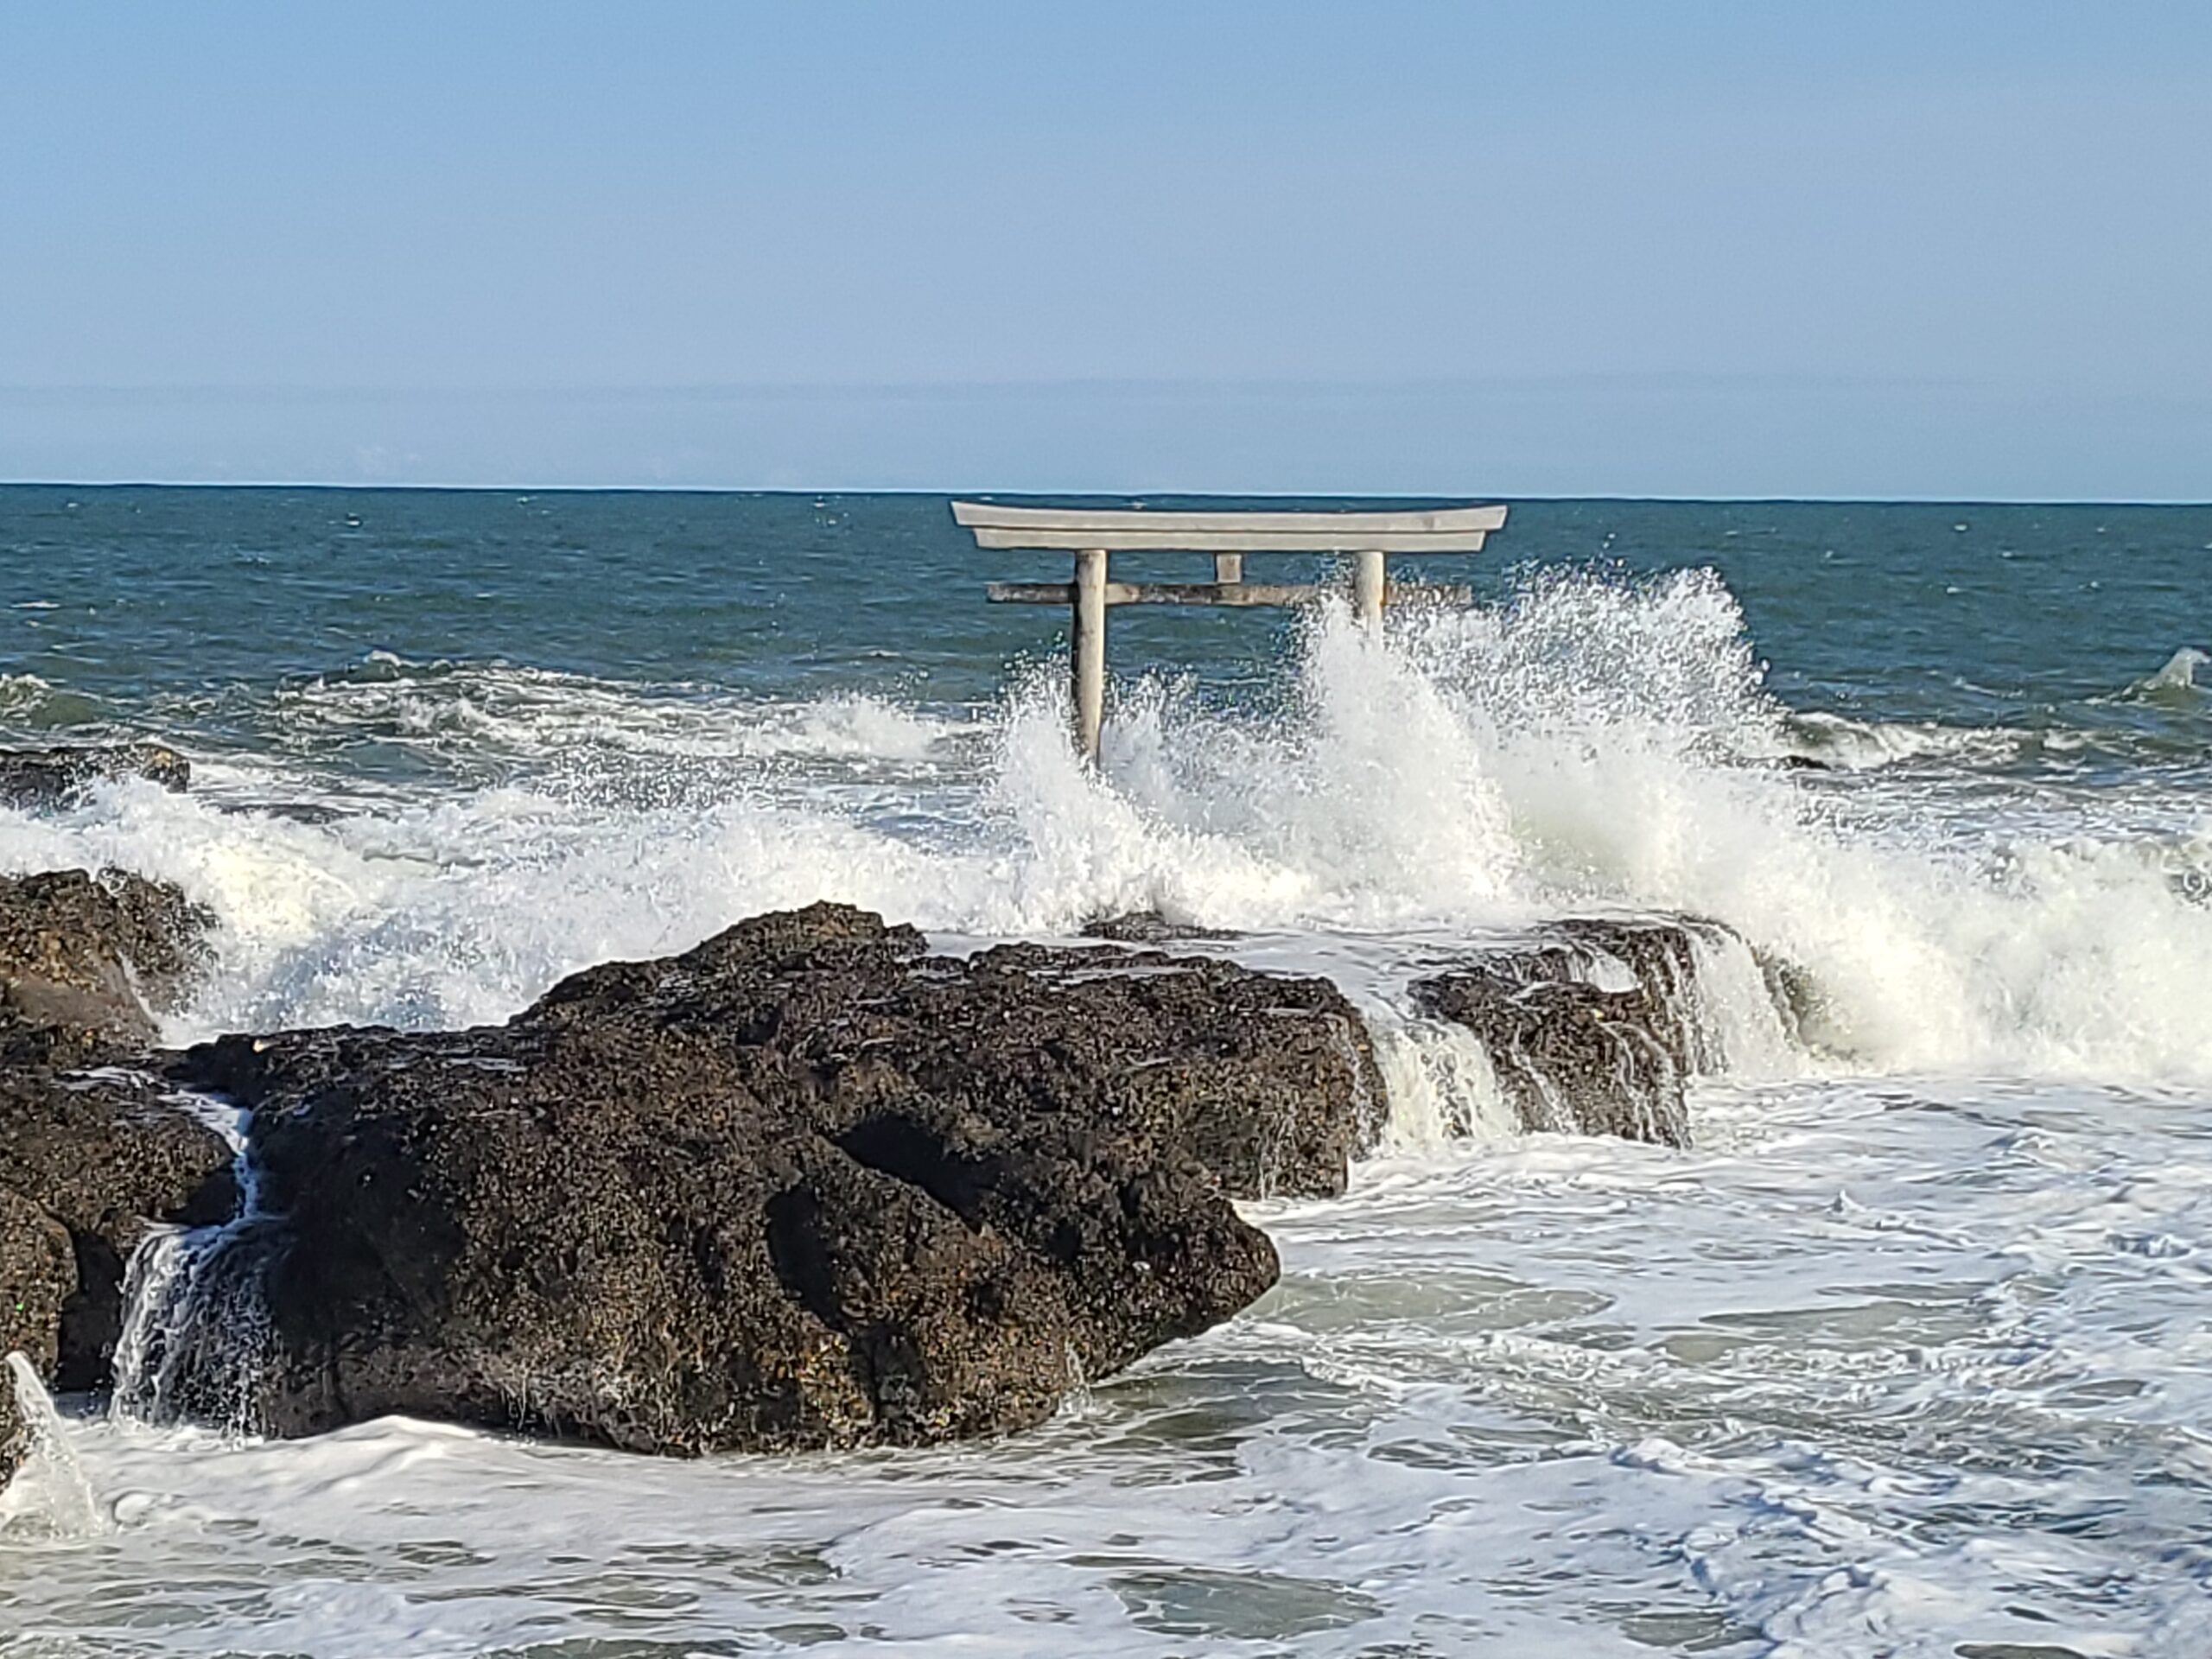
15,1432
93,1149
1148,927
46,778
1592,1026
83,958
37,1275
104,1156
803,1185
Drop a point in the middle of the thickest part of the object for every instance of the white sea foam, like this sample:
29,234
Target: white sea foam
1583,747
1875,1371
1840,741
1902,1356
2179,672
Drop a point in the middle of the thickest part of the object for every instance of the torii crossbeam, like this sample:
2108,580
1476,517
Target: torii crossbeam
1092,533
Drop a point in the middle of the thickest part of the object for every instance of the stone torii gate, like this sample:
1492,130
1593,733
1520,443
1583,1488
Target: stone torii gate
1092,533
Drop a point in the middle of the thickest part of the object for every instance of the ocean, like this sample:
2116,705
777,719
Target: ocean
1906,1355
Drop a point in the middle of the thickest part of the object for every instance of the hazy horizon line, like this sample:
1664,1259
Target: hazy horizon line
932,493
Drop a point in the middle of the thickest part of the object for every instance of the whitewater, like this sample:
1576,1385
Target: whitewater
1904,1354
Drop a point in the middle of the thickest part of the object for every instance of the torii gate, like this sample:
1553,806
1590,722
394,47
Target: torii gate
1092,533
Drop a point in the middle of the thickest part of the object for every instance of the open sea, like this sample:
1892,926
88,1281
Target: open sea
1910,1354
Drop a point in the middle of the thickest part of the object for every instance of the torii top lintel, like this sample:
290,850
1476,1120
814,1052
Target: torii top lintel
1440,529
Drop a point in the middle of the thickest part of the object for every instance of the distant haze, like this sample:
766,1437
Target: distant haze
1933,249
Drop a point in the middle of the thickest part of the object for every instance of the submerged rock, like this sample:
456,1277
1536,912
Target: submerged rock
803,1185
1148,927
1592,1025
46,778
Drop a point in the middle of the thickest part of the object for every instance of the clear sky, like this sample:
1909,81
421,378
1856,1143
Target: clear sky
1932,247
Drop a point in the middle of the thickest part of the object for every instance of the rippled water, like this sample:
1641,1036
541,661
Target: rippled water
1906,1356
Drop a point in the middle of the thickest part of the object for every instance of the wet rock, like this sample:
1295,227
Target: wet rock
1148,927
15,1432
85,959
104,1155
308,812
37,1276
47,777
94,1146
1592,1025
804,1185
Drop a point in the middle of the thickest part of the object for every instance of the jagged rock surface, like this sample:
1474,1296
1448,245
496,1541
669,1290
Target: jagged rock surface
37,1276
52,777
15,1432
92,1147
1592,1026
84,957
803,1185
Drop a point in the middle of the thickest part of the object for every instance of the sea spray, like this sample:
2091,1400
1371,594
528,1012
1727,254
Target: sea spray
1596,742
50,1492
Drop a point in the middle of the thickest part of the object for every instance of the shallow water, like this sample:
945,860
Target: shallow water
1904,1357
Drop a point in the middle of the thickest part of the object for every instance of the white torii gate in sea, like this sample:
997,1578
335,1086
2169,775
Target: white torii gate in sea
1092,533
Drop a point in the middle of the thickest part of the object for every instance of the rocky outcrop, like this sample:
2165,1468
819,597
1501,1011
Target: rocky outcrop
1592,1025
85,958
1267,1082
104,1156
93,1147
50,778
803,1185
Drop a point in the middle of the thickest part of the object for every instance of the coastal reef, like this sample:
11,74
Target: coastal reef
807,1185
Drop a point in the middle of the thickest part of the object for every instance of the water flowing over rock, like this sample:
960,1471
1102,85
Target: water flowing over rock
93,1149
49,777
803,1185
1593,1026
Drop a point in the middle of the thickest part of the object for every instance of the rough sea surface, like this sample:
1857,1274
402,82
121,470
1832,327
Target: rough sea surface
1908,1355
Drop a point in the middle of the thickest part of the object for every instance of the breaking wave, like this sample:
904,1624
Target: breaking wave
1594,743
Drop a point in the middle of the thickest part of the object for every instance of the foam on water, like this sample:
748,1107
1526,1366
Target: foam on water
1905,1355
1585,745
1875,1371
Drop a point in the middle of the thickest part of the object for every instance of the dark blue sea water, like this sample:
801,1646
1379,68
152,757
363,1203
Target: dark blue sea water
146,605
1903,1356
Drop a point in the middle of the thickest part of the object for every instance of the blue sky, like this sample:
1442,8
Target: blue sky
1940,248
